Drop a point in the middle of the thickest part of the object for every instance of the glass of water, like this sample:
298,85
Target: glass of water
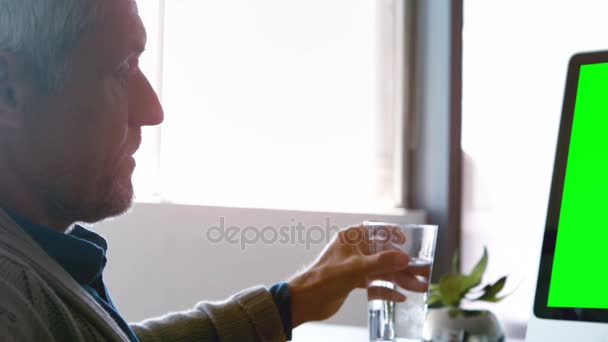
401,321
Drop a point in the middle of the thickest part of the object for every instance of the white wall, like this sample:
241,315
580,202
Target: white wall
515,60
159,257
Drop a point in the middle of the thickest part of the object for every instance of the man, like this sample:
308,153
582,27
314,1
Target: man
72,104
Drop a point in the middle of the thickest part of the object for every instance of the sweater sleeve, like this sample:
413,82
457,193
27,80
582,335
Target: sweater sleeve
250,315
19,321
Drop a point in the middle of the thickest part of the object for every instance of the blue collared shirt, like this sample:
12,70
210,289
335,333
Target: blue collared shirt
82,253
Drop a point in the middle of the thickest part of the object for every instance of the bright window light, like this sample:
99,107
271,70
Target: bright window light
274,103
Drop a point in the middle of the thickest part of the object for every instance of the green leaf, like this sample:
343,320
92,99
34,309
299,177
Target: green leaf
453,313
474,278
490,292
451,287
434,295
494,300
434,299
456,262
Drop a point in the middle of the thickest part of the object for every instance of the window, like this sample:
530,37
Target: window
515,62
275,103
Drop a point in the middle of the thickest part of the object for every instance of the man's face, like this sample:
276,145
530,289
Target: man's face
78,144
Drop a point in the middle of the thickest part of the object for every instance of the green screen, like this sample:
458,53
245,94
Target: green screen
580,267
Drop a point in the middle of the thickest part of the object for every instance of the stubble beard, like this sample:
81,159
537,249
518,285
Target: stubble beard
71,203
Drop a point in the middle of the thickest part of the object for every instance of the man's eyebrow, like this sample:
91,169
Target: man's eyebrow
133,49
139,40
138,47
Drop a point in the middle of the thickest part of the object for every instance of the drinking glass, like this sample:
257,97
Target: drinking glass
401,321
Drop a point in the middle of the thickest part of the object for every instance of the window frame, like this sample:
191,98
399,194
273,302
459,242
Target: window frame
429,155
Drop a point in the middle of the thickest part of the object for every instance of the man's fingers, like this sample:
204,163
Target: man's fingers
384,293
420,270
385,262
387,234
355,235
372,239
405,280
384,238
411,282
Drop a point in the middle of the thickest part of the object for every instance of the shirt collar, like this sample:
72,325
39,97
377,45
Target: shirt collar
81,252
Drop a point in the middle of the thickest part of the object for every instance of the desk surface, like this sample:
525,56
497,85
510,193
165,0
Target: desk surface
318,332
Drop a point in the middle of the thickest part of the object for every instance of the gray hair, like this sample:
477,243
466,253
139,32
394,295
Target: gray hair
43,33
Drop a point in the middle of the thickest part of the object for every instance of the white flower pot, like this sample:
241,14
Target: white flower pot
467,326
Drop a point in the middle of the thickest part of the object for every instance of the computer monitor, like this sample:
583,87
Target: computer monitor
571,302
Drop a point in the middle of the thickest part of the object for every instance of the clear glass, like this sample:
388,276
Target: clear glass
401,321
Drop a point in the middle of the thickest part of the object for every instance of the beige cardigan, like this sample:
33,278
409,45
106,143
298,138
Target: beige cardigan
40,301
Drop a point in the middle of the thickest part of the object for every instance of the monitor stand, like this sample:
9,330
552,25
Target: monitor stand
549,330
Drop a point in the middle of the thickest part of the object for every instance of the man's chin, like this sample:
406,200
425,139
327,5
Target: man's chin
114,202
121,201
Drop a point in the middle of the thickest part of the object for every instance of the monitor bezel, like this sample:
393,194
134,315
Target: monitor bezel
541,310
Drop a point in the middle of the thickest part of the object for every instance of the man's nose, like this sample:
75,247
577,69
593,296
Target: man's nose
144,107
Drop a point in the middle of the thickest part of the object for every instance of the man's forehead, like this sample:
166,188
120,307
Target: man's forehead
120,18
119,6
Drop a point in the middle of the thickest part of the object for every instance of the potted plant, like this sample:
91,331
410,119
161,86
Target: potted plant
450,318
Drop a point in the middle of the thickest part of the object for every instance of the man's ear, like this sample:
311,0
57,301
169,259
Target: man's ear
11,115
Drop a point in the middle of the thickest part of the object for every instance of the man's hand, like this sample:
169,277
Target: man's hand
347,263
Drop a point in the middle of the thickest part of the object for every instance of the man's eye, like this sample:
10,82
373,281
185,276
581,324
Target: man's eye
125,70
